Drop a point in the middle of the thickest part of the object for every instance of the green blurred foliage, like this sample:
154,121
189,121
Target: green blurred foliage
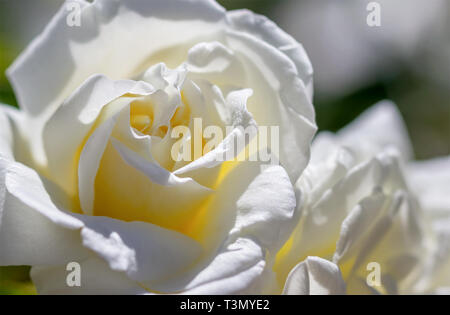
258,6
16,280
7,56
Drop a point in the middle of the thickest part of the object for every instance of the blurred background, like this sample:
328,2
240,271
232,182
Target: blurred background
405,59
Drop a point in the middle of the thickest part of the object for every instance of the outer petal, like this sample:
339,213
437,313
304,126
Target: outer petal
435,278
315,276
234,270
128,248
145,252
280,97
115,38
378,128
265,213
96,278
261,27
431,182
34,232
266,210
250,198
14,137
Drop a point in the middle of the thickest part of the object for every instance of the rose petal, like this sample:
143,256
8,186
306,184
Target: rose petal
63,57
315,276
377,129
280,98
66,130
237,116
34,232
145,252
248,220
431,182
261,27
126,180
95,278
233,271
393,239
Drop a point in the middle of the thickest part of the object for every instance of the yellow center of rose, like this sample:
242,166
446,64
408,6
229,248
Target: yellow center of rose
126,193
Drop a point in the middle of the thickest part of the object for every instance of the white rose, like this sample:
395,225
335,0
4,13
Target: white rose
86,173
358,213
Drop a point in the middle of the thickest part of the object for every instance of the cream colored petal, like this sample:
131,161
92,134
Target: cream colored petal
430,180
377,129
64,133
32,230
242,122
144,252
315,276
89,162
115,38
261,27
241,230
35,232
280,98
